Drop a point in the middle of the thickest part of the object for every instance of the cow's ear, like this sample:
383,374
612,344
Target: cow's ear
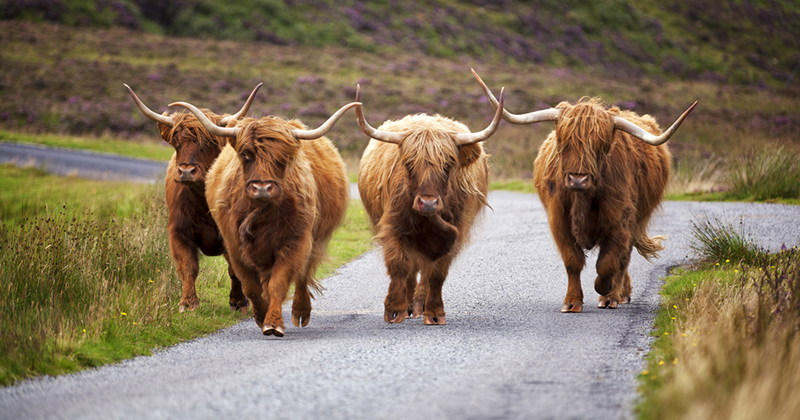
468,154
233,141
166,132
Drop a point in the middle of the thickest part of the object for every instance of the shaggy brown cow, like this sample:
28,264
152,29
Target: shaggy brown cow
599,177
423,180
277,201
191,227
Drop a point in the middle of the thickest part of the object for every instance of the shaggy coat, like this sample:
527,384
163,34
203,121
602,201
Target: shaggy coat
191,227
277,200
422,197
599,187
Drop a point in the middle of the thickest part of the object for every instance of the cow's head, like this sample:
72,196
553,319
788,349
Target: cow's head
584,135
267,148
431,157
195,148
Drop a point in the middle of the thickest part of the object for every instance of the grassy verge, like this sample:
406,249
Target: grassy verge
728,334
87,278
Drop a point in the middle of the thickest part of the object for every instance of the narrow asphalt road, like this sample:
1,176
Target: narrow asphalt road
506,353
83,164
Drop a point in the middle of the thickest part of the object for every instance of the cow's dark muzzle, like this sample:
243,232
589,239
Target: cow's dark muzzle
189,173
579,182
427,204
263,190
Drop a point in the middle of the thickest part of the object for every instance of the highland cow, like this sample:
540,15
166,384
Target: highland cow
599,175
277,192
190,226
423,181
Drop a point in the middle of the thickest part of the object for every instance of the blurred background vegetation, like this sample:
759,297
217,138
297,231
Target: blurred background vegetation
63,64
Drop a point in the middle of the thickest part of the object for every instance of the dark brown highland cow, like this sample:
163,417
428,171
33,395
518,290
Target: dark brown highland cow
277,200
191,227
423,180
599,174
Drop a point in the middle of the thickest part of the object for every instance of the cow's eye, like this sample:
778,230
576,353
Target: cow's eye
245,157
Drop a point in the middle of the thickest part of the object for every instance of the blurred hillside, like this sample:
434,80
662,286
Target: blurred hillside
735,42
63,63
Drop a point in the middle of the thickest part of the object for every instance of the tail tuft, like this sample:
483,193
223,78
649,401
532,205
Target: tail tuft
649,247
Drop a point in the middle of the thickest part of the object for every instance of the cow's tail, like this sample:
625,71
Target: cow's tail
649,247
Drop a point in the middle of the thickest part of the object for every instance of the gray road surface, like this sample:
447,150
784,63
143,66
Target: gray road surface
506,353
82,164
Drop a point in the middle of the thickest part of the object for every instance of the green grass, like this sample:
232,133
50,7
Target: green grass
512,185
727,334
139,149
88,278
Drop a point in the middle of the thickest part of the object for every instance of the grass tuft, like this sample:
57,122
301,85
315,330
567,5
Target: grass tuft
717,242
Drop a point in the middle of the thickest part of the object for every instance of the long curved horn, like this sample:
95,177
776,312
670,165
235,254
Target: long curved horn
641,134
163,119
242,112
326,126
210,126
464,139
529,118
385,136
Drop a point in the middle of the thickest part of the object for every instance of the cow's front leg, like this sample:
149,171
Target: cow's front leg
434,275
186,261
287,269
574,260
251,287
401,271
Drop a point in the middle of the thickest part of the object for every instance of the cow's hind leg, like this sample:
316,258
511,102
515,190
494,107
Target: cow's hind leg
434,275
625,295
237,299
612,264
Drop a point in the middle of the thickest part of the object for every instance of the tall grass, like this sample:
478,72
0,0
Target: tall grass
76,272
728,340
86,276
766,173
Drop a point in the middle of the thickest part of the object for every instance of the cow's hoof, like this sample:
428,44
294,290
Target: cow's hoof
275,330
572,307
434,320
188,305
608,303
394,317
418,309
626,299
300,319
